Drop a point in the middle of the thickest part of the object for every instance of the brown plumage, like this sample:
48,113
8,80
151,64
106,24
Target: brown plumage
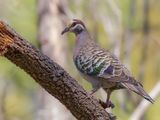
100,67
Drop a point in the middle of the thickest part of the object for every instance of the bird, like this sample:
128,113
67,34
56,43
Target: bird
99,66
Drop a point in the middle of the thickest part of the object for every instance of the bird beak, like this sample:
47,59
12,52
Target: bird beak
65,30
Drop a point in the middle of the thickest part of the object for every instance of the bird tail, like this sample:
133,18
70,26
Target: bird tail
138,88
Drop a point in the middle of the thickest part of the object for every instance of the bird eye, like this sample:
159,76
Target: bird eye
73,24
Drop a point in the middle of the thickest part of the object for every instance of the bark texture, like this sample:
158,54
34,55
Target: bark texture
50,76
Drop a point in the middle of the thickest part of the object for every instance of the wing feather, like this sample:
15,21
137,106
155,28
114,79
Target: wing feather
102,64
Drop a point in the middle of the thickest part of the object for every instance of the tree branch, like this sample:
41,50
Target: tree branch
49,75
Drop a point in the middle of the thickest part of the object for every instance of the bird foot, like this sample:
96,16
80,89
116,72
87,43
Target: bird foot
112,117
106,105
92,91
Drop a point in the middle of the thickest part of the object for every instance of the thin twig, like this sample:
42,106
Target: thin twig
142,107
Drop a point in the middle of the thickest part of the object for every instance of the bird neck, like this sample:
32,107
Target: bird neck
81,39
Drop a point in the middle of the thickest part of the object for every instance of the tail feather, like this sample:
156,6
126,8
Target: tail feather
137,88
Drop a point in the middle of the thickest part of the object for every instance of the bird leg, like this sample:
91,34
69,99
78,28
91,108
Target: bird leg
108,102
93,91
104,105
95,88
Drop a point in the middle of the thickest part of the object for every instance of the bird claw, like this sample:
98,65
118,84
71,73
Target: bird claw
92,91
110,104
112,117
106,105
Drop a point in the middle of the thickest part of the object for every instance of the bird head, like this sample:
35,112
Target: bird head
76,26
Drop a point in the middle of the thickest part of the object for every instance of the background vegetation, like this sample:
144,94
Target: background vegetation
129,28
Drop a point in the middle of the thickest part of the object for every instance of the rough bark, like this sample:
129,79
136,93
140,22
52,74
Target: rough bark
50,76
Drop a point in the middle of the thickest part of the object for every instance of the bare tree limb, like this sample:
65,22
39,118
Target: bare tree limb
49,75
142,107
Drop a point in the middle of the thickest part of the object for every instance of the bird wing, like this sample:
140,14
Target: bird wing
115,71
102,64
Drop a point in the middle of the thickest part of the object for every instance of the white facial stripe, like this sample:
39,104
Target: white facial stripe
78,25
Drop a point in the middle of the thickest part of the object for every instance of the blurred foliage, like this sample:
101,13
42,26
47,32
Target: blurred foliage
109,23
18,104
